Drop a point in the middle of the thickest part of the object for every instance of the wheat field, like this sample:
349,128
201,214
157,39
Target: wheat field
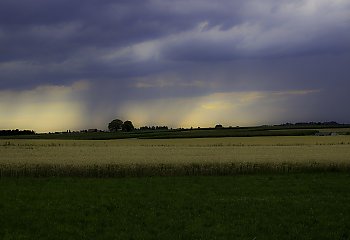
205,156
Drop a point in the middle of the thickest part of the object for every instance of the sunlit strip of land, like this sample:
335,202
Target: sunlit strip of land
176,156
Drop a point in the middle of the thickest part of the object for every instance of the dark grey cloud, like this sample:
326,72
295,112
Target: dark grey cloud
35,29
156,49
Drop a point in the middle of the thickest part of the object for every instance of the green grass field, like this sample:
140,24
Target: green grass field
264,206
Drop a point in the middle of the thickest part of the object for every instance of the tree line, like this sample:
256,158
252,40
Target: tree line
154,128
127,126
16,132
331,123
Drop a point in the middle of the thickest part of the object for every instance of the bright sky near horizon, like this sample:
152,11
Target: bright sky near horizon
79,64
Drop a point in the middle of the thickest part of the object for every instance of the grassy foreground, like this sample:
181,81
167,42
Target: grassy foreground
270,206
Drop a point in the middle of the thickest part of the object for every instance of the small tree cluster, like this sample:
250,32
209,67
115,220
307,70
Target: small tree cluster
117,125
154,128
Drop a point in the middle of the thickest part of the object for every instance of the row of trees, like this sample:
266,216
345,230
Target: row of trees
127,126
119,125
154,128
16,132
332,123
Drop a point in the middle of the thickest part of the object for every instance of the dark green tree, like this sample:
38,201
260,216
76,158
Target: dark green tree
128,126
115,125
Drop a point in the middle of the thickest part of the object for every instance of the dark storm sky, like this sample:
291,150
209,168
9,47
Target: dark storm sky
77,64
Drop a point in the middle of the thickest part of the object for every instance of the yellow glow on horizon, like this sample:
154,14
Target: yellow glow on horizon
43,109
227,108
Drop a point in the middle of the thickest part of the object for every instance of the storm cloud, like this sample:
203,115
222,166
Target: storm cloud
145,53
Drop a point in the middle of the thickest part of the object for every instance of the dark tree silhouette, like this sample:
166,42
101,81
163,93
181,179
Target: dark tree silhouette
16,132
115,125
128,126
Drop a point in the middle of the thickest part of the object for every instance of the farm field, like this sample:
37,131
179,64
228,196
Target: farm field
175,133
144,157
285,187
259,206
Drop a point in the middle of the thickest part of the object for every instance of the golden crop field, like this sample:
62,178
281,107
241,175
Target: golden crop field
246,154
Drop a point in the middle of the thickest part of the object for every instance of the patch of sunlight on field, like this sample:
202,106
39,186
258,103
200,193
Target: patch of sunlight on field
206,150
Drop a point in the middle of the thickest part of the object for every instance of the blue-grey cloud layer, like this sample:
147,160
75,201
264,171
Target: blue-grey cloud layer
139,50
